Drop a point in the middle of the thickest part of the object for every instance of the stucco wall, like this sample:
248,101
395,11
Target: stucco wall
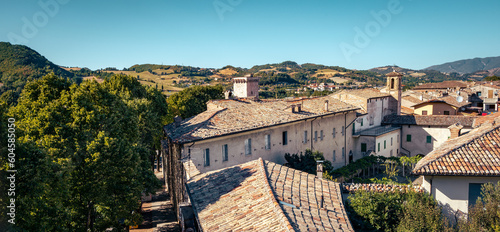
392,144
418,144
435,109
376,108
452,192
295,131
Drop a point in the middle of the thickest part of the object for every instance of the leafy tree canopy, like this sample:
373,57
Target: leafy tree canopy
192,101
84,152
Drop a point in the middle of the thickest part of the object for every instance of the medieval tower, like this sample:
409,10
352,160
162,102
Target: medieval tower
246,87
395,88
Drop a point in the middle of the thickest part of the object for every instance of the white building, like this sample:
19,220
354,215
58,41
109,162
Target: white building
454,172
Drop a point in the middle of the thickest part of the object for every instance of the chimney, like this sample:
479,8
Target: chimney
299,108
455,130
293,108
326,105
319,169
227,94
177,121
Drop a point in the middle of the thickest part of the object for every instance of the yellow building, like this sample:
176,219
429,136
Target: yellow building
442,106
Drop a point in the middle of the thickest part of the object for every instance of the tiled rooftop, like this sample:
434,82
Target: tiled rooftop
250,197
429,120
474,154
353,187
412,99
448,99
442,85
367,93
233,116
315,204
377,131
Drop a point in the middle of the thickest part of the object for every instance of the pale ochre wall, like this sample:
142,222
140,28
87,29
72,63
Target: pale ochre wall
435,109
376,108
236,143
418,144
418,110
394,135
452,192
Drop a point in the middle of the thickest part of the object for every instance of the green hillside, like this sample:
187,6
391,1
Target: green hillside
20,64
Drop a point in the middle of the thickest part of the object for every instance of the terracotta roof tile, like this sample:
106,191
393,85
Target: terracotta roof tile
234,116
429,120
248,197
474,154
442,85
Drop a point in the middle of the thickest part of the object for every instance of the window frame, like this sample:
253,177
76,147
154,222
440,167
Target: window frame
225,153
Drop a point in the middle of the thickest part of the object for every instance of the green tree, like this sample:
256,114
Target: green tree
372,211
306,161
192,101
86,152
492,78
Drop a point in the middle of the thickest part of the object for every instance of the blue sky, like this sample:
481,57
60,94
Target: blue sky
214,33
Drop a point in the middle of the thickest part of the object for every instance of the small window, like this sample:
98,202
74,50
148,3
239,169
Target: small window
305,137
285,138
378,146
385,144
362,119
206,157
248,147
408,138
343,153
429,139
316,136
391,152
391,141
424,112
268,142
224,153
446,112
334,156
363,147
474,193
343,130
334,132
321,135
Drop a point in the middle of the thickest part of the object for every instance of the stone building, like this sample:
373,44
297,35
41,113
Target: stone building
264,196
454,172
246,87
420,134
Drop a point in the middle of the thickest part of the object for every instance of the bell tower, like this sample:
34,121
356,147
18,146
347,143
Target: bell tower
394,87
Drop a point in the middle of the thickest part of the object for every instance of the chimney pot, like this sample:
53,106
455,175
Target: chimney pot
299,107
293,108
326,105
319,169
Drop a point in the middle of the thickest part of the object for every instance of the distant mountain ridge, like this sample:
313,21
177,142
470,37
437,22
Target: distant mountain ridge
468,65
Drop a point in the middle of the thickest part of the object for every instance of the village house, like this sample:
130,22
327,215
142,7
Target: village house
486,95
454,172
421,134
445,86
447,105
